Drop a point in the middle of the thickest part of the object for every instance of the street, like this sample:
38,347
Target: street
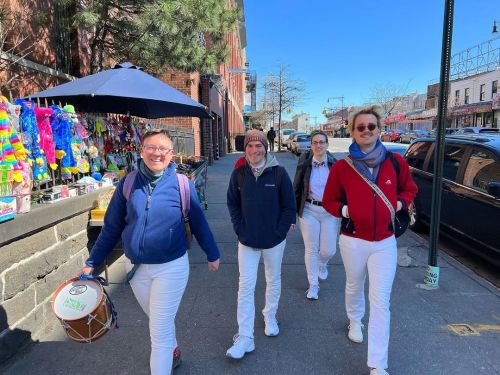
312,334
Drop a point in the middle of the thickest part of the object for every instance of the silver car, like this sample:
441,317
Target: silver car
300,143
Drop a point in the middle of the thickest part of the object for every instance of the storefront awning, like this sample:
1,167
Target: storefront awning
471,108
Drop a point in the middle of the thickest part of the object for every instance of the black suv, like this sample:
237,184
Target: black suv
470,203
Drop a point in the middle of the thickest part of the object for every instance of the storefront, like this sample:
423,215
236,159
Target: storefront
422,119
495,107
398,121
476,114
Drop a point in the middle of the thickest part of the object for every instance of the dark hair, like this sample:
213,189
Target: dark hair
152,132
319,132
372,110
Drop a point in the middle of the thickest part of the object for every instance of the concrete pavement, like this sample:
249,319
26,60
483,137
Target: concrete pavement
313,334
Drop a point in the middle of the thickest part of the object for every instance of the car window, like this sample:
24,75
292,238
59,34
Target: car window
303,138
482,169
451,162
416,154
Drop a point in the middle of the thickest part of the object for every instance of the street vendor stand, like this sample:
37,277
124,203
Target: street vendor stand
127,90
195,168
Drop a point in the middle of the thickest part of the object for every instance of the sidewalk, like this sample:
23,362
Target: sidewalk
312,336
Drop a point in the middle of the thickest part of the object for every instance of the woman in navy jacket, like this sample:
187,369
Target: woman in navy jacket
149,221
262,207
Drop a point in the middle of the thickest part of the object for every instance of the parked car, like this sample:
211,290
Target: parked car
411,135
284,134
477,129
447,131
470,206
289,137
300,143
392,135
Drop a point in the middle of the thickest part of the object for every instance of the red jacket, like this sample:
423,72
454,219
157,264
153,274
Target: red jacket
369,217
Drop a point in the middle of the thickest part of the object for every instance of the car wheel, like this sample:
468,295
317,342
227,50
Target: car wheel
415,223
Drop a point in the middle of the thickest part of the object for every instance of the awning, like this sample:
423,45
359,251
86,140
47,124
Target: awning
471,108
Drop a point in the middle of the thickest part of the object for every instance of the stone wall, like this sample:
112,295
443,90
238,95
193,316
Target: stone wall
39,250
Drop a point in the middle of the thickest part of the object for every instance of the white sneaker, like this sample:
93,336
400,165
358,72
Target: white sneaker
323,272
378,371
241,346
355,334
271,328
312,292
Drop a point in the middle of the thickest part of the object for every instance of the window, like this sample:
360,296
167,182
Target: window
451,163
482,92
481,170
457,97
494,88
416,154
466,96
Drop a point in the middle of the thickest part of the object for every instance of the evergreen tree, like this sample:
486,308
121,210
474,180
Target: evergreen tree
182,34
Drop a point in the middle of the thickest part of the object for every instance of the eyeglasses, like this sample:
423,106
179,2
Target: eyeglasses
161,150
361,128
320,143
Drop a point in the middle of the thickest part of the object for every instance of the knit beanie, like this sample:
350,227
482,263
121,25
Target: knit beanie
256,135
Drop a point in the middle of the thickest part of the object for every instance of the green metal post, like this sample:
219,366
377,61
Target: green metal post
432,276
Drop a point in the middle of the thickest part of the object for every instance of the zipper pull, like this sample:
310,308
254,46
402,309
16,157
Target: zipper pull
148,204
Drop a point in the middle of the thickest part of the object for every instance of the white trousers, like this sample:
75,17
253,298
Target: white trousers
248,263
159,288
319,231
379,259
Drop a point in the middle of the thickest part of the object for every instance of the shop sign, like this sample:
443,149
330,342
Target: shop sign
472,108
395,118
495,102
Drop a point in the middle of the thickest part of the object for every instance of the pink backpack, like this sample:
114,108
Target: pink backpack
185,197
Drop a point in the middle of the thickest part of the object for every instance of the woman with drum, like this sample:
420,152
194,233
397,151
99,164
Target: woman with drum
146,213
319,228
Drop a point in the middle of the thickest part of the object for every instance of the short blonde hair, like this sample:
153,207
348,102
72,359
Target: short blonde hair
372,110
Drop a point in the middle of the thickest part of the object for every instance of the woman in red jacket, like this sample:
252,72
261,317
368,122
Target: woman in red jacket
367,243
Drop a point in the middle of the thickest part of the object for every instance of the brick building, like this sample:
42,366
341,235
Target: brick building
56,56
222,93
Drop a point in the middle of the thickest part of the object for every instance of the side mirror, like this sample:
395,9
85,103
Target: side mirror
493,189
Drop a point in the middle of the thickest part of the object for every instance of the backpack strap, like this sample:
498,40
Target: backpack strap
185,194
394,162
185,204
129,183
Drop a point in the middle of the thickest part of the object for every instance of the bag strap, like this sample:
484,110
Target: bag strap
185,204
395,163
376,189
129,183
185,194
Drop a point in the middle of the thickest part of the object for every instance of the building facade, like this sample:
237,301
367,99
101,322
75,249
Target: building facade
301,122
470,100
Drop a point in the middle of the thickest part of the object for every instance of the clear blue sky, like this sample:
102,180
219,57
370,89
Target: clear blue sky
343,48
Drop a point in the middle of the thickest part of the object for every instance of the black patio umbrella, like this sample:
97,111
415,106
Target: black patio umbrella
125,89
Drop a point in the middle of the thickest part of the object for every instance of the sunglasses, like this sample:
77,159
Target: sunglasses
361,128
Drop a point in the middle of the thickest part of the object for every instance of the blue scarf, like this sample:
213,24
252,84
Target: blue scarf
373,159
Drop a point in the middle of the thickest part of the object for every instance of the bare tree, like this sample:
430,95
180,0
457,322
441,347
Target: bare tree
259,117
16,43
283,94
388,96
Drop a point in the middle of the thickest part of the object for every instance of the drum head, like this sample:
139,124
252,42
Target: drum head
77,299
